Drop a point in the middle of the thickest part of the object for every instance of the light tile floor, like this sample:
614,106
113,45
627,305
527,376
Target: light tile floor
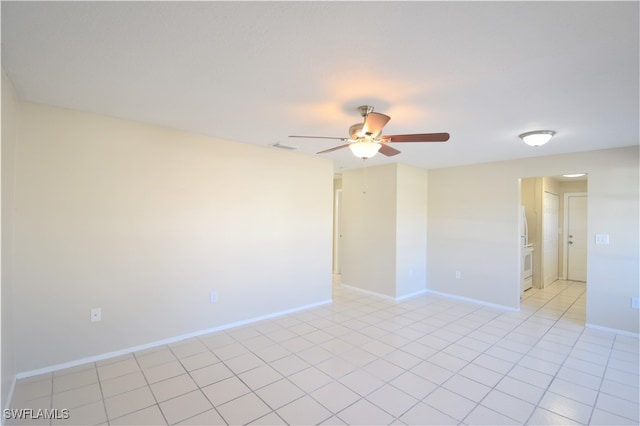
367,360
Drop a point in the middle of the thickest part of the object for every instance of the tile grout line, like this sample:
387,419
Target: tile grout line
554,376
104,404
595,402
377,322
547,390
135,357
199,388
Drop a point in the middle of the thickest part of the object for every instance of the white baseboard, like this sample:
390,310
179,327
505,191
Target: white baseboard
383,296
476,301
367,292
612,330
427,291
125,351
411,295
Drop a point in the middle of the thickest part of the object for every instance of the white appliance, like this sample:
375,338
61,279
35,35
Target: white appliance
526,273
527,269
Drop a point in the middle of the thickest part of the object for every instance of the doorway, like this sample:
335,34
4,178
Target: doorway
550,196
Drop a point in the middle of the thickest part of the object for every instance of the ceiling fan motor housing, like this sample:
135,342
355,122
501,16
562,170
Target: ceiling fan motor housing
355,130
364,110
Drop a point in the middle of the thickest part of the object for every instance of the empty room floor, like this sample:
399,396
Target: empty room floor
366,360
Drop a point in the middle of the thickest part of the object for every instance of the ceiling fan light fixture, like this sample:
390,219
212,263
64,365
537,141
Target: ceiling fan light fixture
365,139
537,137
364,148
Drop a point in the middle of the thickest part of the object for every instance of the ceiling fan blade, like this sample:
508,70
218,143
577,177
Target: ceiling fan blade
374,122
335,148
419,137
319,137
387,150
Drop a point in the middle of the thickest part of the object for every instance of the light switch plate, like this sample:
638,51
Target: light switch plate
602,238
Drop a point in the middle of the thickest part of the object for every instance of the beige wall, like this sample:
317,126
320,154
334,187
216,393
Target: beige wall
144,222
368,258
9,137
473,227
613,269
384,229
574,186
411,233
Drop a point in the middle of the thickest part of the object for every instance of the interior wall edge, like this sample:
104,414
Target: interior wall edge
9,109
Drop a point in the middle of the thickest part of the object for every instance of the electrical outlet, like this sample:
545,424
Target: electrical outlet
96,314
635,302
213,297
458,275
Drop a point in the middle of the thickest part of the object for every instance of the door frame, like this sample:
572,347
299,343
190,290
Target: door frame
565,230
337,231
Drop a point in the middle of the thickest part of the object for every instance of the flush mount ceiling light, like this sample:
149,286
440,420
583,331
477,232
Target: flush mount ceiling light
537,137
574,175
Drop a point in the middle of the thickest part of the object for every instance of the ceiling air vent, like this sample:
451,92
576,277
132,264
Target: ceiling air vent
282,146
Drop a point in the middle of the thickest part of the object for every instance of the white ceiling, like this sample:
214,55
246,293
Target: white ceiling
256,72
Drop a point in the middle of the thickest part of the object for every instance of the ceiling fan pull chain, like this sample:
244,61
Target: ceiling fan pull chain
364,178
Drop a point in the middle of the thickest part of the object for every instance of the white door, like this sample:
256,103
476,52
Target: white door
577,238
550,240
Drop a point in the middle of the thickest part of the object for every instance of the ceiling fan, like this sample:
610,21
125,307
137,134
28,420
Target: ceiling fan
365,139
